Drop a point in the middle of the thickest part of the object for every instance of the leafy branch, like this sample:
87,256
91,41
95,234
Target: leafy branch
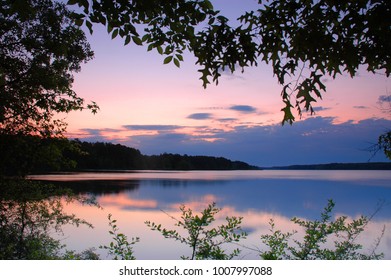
205,242
317,233
121,248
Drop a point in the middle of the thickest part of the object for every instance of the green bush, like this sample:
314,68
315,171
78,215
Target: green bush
29,212
205,242
341,233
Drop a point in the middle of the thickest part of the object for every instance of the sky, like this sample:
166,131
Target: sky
159,108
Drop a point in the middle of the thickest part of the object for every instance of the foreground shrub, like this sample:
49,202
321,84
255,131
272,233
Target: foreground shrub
343,236
119,248
29,213
205,242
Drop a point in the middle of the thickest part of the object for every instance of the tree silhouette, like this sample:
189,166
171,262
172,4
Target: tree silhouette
40,48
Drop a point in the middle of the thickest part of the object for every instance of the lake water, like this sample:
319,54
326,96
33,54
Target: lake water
257,196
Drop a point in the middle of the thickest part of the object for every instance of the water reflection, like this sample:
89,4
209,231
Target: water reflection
154,246
137,197
99,187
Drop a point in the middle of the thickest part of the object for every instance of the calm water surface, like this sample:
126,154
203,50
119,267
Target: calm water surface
135,197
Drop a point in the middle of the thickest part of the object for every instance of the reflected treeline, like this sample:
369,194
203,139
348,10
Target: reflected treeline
99,187
29,213
182,183
102,187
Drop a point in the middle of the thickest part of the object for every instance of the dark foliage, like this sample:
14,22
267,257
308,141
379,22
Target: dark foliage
29,213
40,49
340,235
204,241
23,155
115,156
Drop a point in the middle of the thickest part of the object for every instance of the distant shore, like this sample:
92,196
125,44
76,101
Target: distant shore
335,166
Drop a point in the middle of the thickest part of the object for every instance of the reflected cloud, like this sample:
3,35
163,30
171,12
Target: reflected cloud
124,201
197,205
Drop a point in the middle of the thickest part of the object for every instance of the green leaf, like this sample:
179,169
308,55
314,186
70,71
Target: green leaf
121,32
168,50
288,116
115,33
180,57
89,26
109,28
85,4
160,49
79,22
146,37
137,40
208,5
72,2
127,40
167,59
177,63
102,20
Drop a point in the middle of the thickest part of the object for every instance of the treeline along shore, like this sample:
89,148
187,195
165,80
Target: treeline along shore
337,166
115,156
36,155
45,155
